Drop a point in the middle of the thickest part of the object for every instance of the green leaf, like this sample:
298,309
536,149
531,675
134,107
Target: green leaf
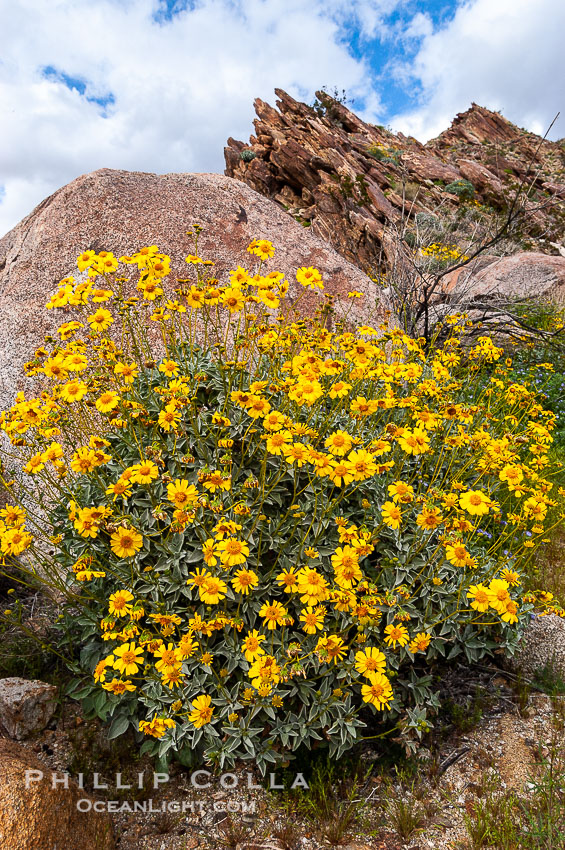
118,726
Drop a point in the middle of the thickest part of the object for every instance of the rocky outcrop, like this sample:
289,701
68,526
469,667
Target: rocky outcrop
520,276
543,647
26,707
121,211
347,180
320,169
37,813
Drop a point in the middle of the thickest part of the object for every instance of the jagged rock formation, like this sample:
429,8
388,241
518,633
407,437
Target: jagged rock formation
348,180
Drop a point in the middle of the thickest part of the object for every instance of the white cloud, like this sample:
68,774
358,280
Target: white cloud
506,55
420,26
180,87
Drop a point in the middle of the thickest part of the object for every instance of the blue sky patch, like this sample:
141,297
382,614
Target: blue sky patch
78,84
168,9
391,48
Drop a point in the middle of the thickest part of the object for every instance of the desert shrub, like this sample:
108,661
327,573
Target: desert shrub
326,104
441,256
427,220
385,153
26,628
354,188
538,344
537,354
427,230
464,189
411,190
247,155
266,530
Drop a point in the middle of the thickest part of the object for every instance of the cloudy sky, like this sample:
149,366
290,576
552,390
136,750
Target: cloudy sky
159,85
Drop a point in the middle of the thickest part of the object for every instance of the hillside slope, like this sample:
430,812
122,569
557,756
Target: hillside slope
356,183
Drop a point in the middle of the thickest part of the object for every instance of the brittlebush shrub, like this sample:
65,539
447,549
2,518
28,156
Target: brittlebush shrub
264,530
